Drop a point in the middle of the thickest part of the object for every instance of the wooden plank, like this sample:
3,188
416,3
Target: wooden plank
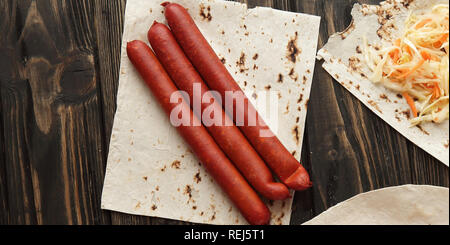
4,208
109,18
58,82
427,171
13,90
51,120
302,205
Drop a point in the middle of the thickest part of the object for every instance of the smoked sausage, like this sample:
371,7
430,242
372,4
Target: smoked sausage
217,77
229,138
201,143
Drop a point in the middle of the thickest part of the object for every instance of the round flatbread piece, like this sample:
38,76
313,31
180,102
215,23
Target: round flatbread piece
399,205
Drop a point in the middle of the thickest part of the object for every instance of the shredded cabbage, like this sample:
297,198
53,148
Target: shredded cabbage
417,65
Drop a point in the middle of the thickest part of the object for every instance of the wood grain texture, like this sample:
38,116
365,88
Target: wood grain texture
52,127
59,69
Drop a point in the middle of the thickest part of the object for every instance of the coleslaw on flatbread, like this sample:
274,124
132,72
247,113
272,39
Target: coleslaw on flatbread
417,64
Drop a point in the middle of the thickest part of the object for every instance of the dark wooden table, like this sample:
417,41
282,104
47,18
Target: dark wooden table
59,69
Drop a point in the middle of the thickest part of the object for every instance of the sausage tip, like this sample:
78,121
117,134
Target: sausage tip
299,180
130,44
164,4
153,30
134,43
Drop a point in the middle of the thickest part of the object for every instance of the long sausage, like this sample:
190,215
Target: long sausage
201,143
216,76
225,133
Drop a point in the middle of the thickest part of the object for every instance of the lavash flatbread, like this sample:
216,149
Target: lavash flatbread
343,59
150,170
399,205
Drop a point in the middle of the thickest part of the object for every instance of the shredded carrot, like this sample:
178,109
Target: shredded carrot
411,104
408,49
435,58
417,66
398,72
422,23
426,86
394,54
436,91
440,41
402,70
397,42
443,37
431,77
425,55
437,44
